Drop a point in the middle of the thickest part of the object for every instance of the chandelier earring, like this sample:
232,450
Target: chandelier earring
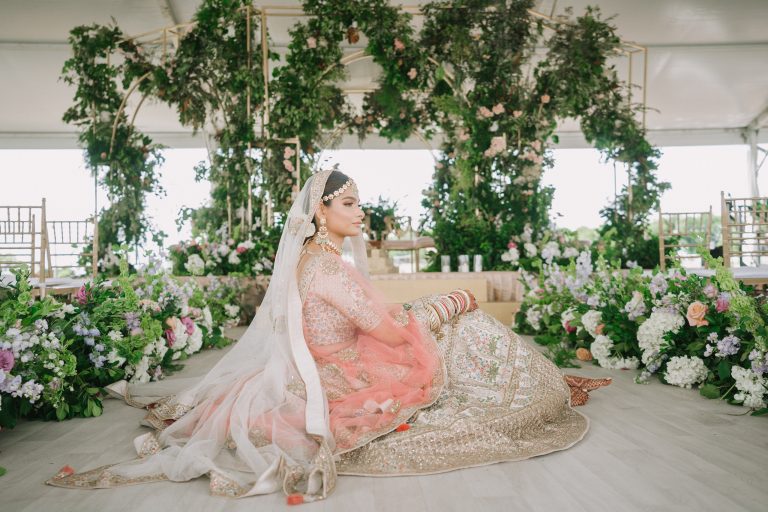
322,233
325,243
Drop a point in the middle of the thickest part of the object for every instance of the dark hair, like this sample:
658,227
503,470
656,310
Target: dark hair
334,182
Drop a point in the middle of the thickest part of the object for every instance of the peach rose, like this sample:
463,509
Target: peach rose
696,313
599,329
583,354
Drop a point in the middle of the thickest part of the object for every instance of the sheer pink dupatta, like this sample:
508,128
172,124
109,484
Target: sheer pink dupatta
393,369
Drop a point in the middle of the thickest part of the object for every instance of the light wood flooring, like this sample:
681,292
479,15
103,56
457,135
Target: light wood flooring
650,448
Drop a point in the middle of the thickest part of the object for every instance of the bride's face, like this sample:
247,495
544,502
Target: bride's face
344,217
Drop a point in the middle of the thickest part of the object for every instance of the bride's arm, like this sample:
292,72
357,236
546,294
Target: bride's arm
340,289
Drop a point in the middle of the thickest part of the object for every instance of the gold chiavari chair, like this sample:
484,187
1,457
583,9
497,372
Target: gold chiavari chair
745,231
66,241
23,239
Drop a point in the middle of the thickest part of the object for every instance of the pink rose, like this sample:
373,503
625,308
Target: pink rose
311,42
511,245
696,313
82,296
288,165
189,324
710,291
288,152
599,329
170,336
484,112
517,113
6,360
240,249
569,328
498,109
498,145
545,99
399,46
723,302
412,73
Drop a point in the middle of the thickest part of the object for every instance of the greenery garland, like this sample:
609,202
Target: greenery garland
487,183
125,163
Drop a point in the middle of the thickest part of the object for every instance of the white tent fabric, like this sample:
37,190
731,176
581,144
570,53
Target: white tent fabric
707,78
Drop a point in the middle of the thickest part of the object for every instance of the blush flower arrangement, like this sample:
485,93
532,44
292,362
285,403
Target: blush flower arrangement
683,329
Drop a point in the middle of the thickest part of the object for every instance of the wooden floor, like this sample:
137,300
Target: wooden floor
650,448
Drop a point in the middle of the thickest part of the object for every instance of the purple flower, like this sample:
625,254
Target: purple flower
710,291
132,320
759,369
728,346
723,302
189,324
658,284
6,360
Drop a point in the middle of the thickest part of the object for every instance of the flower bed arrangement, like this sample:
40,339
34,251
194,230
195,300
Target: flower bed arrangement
56,357
225,256
684,329
527,250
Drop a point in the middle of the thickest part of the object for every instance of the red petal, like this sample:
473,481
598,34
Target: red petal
295,499
403,427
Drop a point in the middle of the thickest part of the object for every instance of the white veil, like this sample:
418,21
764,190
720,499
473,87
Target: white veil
258,420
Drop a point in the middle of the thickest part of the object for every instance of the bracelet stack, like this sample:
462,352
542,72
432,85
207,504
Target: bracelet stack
448,307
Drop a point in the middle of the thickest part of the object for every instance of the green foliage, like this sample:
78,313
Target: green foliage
497,133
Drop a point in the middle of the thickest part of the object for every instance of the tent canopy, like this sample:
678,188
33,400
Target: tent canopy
707,78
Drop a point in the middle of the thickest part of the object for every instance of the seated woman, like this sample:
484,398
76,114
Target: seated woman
330,380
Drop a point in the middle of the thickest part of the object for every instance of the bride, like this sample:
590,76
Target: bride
330,380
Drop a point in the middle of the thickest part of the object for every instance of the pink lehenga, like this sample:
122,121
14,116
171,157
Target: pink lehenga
329,380
492,397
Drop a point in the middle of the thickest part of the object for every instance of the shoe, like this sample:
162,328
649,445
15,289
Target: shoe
578,397
585,383
117,389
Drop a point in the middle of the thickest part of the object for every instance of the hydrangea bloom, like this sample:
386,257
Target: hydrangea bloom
650,335
752,387
601,351
590,320
684,371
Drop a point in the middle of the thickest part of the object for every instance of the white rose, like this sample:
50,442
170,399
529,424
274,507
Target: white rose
530,250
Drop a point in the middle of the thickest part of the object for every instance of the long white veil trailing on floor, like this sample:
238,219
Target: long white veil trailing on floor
258,420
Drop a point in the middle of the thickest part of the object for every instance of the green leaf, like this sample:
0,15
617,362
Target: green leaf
724,369
2,471
61,412
709,391
760,412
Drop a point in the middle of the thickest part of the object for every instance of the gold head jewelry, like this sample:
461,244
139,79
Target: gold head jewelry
339,191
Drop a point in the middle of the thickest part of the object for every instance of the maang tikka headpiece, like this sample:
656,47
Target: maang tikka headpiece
338,192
